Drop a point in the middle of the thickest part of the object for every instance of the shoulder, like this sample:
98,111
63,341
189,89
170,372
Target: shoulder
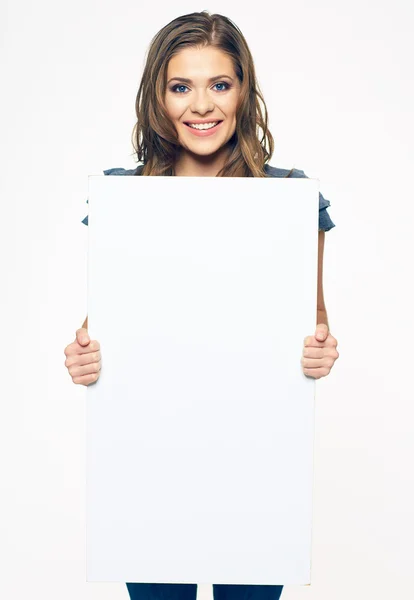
278,172
122,171
117,171
325,222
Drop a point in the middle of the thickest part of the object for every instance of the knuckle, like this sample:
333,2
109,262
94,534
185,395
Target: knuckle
69,350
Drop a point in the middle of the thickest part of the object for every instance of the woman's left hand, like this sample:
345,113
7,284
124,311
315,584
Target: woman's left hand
319,352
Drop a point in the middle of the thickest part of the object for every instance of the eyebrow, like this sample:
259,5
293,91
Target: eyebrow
209,80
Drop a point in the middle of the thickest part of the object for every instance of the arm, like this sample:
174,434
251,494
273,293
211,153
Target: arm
319,351
321,314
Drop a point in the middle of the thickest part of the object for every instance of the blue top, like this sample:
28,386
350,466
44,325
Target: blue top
325,221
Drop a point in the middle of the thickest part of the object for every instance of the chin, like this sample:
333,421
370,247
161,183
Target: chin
204,149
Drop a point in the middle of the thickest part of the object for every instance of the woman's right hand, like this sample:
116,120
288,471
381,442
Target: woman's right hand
83,358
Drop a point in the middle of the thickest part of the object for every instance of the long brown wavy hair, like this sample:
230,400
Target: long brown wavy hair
155,138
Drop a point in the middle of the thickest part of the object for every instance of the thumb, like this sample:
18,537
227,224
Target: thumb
82,336
322,332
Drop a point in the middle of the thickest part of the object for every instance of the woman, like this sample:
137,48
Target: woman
198,113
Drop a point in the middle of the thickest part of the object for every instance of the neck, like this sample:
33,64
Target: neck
189,164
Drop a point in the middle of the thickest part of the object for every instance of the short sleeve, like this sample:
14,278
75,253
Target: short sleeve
325,221
112,171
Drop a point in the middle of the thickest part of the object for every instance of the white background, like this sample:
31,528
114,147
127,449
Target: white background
337,79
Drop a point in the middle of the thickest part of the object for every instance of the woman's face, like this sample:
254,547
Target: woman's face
202,86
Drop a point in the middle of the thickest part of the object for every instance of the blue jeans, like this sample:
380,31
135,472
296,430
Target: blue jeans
188,591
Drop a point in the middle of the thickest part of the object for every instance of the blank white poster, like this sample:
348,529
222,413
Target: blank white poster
200,428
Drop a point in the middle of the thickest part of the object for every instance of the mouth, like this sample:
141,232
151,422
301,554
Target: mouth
203,130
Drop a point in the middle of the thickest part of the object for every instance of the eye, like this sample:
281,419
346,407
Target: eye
179,85
223,83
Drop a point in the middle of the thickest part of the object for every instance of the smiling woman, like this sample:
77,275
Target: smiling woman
199,108
200,112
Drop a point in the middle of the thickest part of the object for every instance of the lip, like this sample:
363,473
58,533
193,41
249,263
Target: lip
203,132
198,121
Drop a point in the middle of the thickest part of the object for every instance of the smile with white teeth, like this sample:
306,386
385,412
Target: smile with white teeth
203,125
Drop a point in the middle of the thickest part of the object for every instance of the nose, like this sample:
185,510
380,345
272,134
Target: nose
202,103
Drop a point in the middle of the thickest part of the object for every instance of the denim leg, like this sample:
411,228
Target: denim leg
162,591
222,591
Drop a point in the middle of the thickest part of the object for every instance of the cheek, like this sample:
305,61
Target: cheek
172,107
228,106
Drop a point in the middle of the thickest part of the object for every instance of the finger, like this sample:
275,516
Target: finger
315,363
86,379
311,352
310,340
79,370
92,346
74,349
82,336
321,333
83,359
312,363
316,373
331,341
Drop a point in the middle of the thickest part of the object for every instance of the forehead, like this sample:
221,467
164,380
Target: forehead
199,62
